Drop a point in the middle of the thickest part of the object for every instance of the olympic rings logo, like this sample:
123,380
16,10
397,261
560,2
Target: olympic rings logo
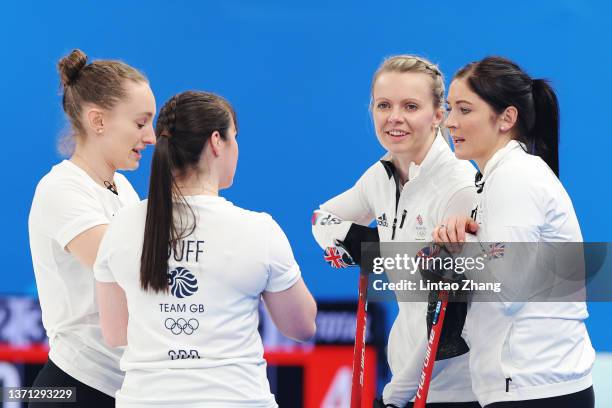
181,325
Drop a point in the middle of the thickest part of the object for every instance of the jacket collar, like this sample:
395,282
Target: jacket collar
438,149
498,157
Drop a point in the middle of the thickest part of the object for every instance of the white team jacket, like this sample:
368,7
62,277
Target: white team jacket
439,187
521,351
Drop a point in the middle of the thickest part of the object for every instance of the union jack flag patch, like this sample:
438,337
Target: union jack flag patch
429,251
338,257
315,217
496,250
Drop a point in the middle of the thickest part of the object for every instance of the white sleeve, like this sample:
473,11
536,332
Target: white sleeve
461,202
334,218
69,210
283,270
102,269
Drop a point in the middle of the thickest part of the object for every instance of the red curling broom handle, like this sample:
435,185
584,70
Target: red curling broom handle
359,351
432,349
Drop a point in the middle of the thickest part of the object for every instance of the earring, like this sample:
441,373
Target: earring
100,131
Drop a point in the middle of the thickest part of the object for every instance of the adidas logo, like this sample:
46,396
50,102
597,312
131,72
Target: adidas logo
382,220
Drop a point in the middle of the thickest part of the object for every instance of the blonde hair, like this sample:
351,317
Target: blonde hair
411,63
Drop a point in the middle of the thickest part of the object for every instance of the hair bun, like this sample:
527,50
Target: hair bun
71,65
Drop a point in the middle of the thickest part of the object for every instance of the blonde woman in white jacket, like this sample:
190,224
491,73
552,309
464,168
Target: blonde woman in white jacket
413,188
523,354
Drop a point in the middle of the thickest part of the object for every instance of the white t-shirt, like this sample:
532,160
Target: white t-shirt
198,344
66,203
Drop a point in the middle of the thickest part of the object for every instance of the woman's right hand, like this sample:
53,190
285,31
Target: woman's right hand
452,231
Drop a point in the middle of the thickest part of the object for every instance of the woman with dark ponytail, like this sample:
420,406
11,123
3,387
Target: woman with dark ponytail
110,107
522,354
191,269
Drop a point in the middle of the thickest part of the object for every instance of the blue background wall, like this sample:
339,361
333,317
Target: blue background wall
299,76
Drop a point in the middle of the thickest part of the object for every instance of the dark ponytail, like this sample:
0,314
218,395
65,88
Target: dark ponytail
502,83
545,133
154,259
184,125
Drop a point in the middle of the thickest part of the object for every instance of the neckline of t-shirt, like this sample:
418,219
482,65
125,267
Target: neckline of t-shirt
87,176
205,198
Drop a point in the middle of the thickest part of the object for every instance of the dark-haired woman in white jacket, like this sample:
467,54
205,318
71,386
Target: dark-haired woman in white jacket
523,354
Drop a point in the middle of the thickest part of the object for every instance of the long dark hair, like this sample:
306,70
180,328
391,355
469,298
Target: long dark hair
502,83
184,125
